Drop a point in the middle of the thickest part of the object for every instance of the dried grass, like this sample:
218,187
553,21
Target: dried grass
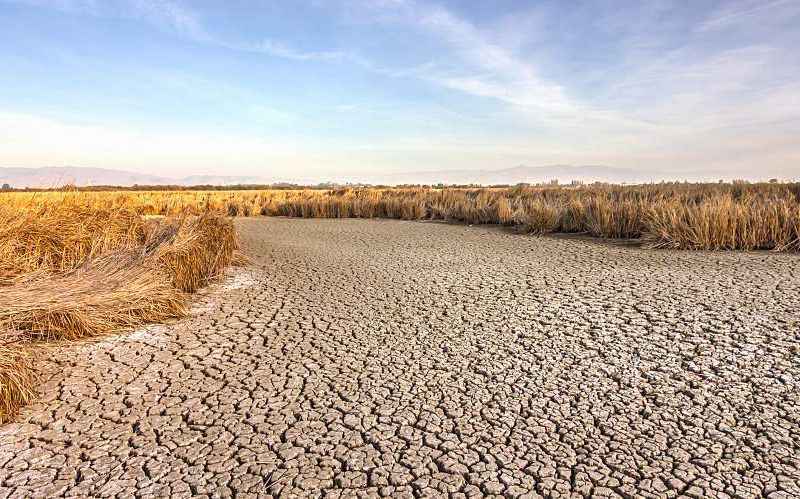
670,215
199,249
111,293
539,216
109,290
58,236
680,216
16,376
724,223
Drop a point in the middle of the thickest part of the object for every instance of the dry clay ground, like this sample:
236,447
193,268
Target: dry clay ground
381,357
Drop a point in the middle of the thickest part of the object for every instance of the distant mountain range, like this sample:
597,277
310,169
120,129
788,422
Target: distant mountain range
530,174
62,175
57,176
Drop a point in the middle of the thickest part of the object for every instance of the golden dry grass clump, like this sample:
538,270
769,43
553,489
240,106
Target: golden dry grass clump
189,257
90,281
725,223
58,236
115,292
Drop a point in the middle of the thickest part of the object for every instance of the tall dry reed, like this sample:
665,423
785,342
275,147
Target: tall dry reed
724,223
670,215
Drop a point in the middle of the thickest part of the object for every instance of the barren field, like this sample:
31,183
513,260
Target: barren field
386,357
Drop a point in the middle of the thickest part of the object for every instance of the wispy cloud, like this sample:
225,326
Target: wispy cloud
170,14
495,71
278,49
748,13
686,90
167,14
674,83
174,16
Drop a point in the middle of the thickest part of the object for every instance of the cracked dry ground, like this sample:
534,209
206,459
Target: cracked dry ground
387,358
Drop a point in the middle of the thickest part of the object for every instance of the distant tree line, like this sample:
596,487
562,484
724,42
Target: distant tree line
330,185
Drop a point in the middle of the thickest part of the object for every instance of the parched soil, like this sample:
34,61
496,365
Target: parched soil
372,358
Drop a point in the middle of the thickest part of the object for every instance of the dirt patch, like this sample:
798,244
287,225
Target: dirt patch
389,358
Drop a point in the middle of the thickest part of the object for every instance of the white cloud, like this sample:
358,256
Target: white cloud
676,108
171,15
684,90
277,49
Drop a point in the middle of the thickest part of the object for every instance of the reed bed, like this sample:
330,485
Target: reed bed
724,223
190,257
72,268
737,216
115,292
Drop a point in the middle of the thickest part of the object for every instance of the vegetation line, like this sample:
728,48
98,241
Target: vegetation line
736,216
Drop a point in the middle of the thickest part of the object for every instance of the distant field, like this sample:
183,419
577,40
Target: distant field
676,215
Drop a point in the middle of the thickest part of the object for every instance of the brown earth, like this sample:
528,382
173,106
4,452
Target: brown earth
372,358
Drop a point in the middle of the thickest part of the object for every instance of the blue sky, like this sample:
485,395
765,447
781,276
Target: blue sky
351,88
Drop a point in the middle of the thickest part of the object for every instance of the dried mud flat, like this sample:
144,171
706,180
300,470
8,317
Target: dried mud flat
418,359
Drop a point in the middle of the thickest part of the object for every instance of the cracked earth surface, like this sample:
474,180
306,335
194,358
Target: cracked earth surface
366,358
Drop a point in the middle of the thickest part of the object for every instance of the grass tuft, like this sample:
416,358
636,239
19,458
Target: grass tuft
201,249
